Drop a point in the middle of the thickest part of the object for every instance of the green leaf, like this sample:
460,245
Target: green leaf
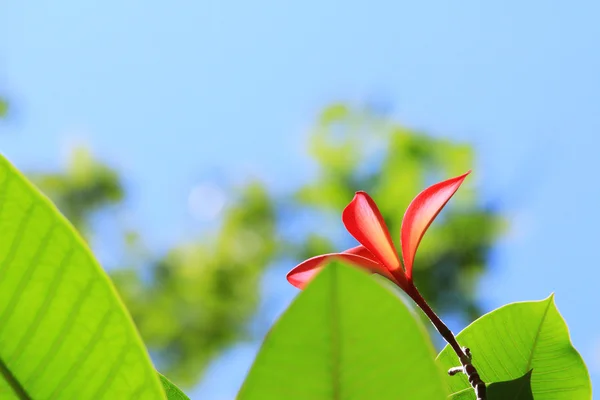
517,389
172,391
512,340
345,337
64,333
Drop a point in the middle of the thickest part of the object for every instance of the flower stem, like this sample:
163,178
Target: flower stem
464,354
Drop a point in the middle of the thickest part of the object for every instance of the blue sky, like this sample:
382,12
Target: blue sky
173,94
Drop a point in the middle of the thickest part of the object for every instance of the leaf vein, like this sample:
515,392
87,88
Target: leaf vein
41,312
64,331
82,357
20,231
24,280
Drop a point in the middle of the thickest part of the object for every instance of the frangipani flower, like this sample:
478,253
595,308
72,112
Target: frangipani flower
377,252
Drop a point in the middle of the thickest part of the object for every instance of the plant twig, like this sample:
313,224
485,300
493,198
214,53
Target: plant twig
463,353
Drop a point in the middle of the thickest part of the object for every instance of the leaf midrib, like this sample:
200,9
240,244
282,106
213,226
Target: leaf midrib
533,347
12,380
335,339
537,335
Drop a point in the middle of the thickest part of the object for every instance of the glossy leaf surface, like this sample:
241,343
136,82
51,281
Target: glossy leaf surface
64,333
512,340
345,337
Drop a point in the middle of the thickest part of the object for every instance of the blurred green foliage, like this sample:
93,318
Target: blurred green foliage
196,300
86,187
201,295
3,107
355,149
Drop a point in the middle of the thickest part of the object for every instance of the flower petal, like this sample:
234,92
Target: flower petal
304,272
363,252
364,221
420,214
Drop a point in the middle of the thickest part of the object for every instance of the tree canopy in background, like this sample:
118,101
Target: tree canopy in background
86,187
3,107
357,150
197,299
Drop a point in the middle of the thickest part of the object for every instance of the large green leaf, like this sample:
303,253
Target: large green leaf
64,333
345,337
510,341
172,391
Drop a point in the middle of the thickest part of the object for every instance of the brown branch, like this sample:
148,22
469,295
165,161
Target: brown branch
463,353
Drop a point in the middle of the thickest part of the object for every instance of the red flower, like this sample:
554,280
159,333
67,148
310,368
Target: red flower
377,252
